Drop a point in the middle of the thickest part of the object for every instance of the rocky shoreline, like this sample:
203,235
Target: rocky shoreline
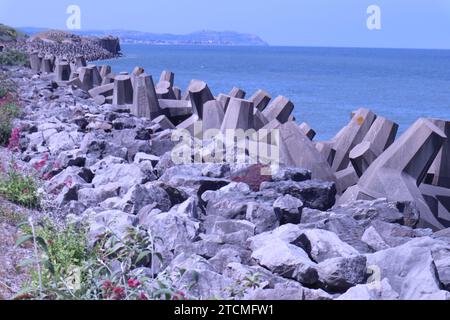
318,228
56,44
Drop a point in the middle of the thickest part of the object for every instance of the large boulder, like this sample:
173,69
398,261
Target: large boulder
410,268
340,274
287,260
322,245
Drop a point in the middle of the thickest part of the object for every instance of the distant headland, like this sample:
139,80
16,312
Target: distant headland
204,37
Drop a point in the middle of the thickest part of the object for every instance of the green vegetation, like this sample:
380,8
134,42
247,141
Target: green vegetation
12,57
18,188
9,108
68,267
10,34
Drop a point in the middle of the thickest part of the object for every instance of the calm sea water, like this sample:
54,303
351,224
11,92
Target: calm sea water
325,84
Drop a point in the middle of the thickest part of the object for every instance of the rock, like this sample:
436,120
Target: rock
287,260
223,258
139,196
233,226
174,230
284,292
112,220
214,170
288,209
314,194
322,245
409,268
124,175
292,174
63,141
316,295
199,276
394,235
339,274
262,215
286,233
370,291
374,240
94,196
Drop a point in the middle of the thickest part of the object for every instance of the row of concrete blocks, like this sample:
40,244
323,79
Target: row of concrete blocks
367,162
364,159
197,104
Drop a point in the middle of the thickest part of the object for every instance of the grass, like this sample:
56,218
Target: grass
12,57
18,188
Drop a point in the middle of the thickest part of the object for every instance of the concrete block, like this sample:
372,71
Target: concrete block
199,94
123,90
297,150
261,99
307,130
350,136
280,109
237,93
145,102
239,115
167,76
213,115
397,172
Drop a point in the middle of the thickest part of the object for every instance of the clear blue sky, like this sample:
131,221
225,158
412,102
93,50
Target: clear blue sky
405,23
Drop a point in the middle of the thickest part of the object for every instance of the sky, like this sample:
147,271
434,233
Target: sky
336,23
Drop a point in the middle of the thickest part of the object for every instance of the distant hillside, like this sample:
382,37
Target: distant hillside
8,34
229,38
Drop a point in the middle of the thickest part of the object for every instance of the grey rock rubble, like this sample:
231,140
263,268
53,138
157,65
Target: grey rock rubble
310,231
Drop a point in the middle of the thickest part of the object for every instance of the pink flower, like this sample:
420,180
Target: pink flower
119,293
179,296
143,296
39,165
13,143
107,284
133,283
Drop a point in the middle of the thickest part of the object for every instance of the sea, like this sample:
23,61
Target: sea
325,84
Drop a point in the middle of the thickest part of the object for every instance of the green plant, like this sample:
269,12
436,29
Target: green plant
18,188
244,284
11,217
12,57
69,268
9,108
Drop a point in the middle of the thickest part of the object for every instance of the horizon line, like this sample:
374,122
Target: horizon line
238,32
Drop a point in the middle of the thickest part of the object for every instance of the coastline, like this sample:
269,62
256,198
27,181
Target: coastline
219,221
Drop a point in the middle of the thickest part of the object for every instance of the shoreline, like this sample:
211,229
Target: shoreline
108,162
